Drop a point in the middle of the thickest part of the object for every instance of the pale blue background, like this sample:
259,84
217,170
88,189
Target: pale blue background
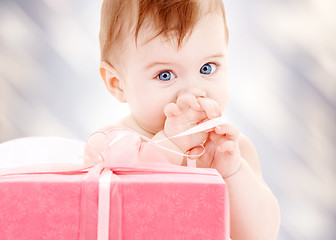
282,72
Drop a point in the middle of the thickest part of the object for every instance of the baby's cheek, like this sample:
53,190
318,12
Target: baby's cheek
222,101
155,118
220,93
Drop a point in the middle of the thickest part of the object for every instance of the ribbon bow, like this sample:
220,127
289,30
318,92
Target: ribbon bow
124,152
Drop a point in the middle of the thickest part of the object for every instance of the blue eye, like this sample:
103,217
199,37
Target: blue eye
166,76
208,68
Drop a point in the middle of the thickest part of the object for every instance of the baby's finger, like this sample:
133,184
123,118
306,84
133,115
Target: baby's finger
210,107
229,131
171,110
222,142
217,139
228,147
188,100
227,159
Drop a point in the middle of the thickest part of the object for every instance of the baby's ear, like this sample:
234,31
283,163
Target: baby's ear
112,81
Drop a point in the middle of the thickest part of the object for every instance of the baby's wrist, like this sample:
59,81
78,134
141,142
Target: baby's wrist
239,165
162,139
179,142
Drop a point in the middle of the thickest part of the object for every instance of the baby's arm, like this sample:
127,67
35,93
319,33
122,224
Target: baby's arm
253,208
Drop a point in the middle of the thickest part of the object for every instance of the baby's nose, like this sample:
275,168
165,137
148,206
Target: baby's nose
197,91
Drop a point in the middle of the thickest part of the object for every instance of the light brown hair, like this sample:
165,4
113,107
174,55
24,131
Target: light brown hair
174,19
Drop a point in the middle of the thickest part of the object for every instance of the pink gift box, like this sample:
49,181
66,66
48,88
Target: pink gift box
145,203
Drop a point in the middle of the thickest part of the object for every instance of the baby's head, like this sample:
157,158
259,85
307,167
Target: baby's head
122,20
154,50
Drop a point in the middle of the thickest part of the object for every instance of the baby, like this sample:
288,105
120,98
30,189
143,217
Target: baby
167,60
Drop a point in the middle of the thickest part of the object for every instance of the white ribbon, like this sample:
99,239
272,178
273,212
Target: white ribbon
104,204
199,128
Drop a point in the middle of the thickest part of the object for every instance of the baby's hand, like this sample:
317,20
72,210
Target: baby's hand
221,151
187,112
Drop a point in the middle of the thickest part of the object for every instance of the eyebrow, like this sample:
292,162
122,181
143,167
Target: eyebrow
170,63
157,63
216,56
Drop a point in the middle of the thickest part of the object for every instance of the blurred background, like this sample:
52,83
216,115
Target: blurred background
282,69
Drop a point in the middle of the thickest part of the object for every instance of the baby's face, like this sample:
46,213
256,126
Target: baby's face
156,72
